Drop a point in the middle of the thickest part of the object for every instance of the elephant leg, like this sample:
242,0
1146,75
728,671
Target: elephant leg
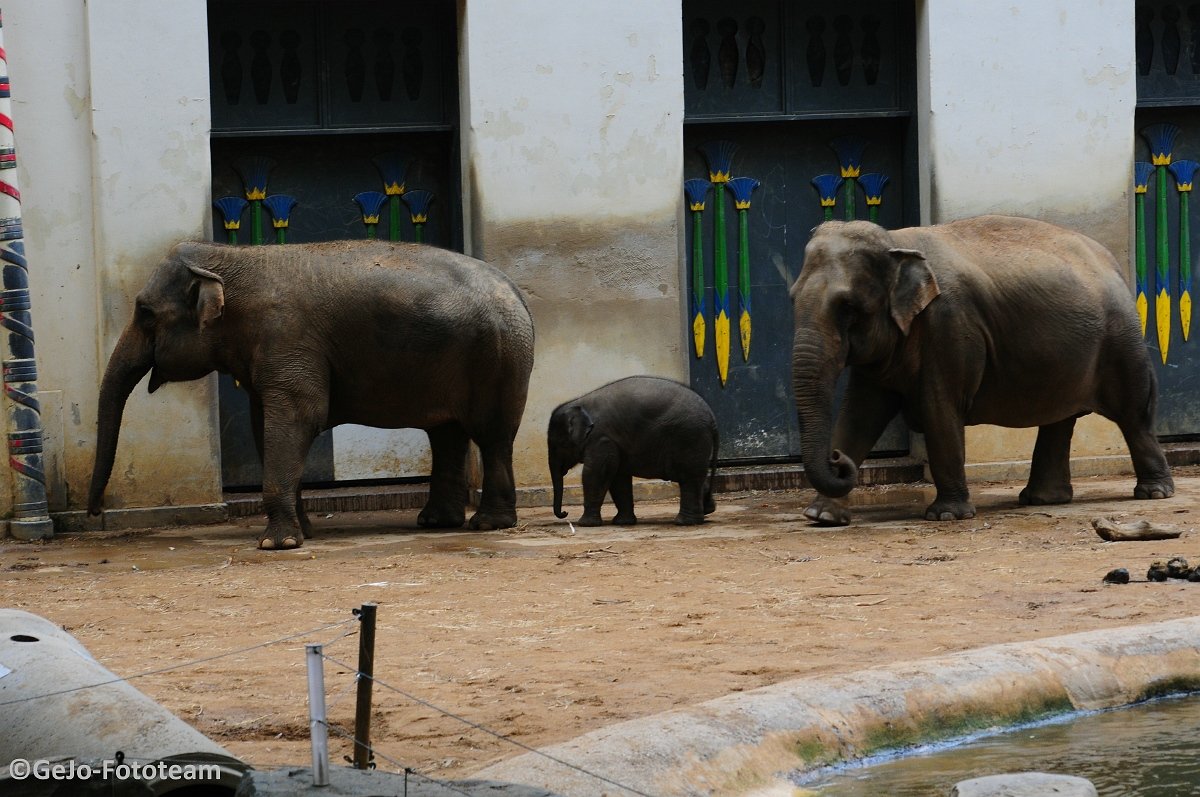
256,428
498,504
945,441
1050,471
1130,400
446,507
600,461
866,411
692,496
621,490
288,431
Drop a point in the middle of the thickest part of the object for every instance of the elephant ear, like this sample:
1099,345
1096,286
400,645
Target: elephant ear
210,295
915,286
579,425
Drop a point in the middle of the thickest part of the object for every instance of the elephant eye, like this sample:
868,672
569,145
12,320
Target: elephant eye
144,316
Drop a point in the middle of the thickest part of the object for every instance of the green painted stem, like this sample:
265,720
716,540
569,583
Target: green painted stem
829,213
1163,249
419,233
1185,245
849,189
231,236
394,217
256,221
697,263
744,258
371,231
720,256
873,213
1139,203
280,235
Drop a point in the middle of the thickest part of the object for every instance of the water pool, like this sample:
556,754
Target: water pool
1147,750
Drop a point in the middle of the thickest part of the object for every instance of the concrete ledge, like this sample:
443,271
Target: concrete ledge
140,518
1178,455
746,743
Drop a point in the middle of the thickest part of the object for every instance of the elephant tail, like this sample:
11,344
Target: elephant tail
709,504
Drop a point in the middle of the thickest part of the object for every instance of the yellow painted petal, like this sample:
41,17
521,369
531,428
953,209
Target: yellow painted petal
722,333
1185,313
1143,308
1162,310
744,327
698,329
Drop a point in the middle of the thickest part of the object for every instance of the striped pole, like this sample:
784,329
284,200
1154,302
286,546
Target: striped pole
30,516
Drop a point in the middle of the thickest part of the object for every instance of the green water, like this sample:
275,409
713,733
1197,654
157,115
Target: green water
1148,750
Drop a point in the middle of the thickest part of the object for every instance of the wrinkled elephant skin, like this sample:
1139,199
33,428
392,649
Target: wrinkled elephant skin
988,320
382,334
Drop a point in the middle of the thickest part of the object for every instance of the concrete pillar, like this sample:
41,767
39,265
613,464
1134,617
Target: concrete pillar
573,164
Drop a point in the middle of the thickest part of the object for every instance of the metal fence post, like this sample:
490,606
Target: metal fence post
23,416
366,673
318,730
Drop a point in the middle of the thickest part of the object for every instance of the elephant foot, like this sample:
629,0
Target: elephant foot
623,519
433,517
710,505
1041,496
489,521
280,541
950,510
1162,488
587,519
688,519
826,511
306,527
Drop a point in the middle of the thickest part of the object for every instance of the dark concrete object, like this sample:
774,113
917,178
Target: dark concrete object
59,704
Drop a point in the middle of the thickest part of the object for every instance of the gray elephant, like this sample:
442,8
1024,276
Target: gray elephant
642,426
995,320
382,334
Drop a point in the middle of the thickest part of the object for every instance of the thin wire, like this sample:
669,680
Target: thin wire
489,731
394,762
182,665
341,693
351,632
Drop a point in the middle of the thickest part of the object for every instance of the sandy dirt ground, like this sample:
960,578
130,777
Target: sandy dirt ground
541,633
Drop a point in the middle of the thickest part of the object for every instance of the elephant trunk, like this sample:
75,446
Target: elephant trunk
130,361
556,477
814,374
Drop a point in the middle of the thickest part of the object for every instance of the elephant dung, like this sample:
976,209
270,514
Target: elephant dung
1157,572
1118,576
1177,567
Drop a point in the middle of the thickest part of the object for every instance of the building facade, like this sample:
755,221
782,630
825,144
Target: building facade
556,139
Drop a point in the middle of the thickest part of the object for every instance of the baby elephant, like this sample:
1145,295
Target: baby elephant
638,426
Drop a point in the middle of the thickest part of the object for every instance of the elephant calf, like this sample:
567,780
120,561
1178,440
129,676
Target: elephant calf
642,426
370,332
996,320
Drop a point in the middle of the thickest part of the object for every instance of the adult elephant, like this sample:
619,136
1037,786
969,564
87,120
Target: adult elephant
993,319
382,334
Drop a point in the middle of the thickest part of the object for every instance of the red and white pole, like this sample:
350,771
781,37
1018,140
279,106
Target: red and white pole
30,519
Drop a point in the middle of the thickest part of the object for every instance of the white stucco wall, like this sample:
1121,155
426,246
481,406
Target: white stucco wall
112,118
1027,108
573,161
